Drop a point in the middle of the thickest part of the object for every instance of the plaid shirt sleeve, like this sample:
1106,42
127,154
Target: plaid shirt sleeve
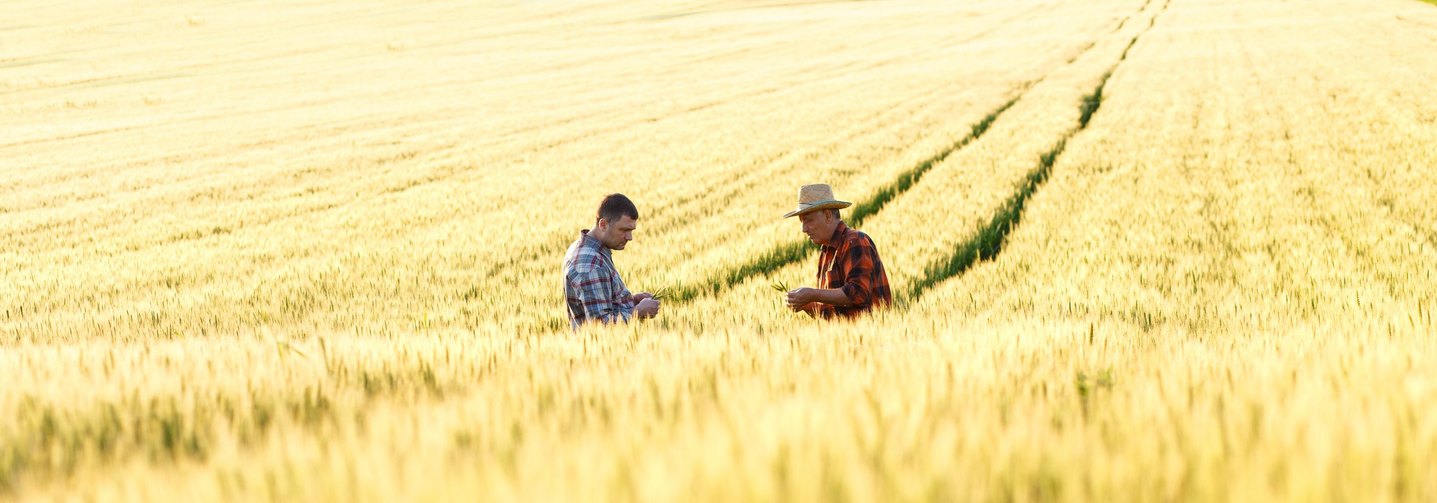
857,265
600,297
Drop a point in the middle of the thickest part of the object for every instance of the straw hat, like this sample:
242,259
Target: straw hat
818,196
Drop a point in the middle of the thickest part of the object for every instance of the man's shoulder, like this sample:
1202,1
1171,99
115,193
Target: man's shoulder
583,259
860,238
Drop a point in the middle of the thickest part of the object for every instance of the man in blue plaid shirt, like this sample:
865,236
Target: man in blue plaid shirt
592,287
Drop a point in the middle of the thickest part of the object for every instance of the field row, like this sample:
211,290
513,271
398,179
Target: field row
399,232
1163,250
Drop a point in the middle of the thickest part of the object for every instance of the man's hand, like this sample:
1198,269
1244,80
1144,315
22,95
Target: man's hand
647,308
799,298
809,299
639,297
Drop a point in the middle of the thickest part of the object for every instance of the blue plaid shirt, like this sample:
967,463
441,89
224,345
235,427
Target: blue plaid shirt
592,286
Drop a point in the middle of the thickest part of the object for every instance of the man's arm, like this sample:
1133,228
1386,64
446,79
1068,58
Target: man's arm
857,268
807,299
831,296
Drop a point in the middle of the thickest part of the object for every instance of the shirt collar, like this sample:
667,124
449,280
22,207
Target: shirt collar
839,234
593,242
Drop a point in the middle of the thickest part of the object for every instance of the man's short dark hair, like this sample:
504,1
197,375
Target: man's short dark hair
616,206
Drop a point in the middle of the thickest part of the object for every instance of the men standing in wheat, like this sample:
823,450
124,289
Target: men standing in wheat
592,286
851,280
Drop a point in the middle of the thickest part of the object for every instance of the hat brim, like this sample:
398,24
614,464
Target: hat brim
831,204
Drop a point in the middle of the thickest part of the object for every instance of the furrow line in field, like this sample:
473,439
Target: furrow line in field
829,73
686,208
642,120
812,75
792,252
443,174
988,242
609,125
834,72
683,208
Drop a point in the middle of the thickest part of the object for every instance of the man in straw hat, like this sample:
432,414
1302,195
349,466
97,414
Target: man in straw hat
851,280
592,286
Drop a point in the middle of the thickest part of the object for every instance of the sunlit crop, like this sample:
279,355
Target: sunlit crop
1139,250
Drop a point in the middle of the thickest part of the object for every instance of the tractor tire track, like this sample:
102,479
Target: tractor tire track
793,252
748,179
788,253
988,243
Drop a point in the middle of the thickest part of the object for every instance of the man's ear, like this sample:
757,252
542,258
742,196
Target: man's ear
602,224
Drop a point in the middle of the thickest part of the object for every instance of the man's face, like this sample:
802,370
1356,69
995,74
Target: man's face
818,225
618,233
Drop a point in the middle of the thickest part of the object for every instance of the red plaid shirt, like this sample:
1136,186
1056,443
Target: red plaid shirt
850,262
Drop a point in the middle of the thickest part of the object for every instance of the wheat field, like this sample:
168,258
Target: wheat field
1144,250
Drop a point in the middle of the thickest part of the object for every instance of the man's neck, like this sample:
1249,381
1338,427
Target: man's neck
833,236
599,236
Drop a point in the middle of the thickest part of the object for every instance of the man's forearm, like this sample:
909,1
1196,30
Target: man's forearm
832,297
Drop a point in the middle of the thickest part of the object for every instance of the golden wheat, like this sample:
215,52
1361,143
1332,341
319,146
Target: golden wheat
1142,250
